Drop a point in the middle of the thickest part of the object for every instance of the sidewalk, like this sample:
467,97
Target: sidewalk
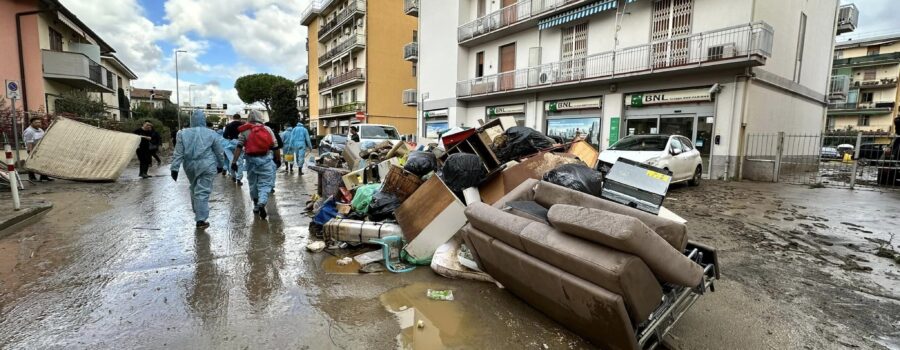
9,217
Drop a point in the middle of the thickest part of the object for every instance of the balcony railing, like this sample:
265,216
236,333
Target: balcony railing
354,7
314,8
507,16
356,40
351,107
747,42
886,105
411,51
409,97
356,74
885,58
76,69
839,88
411,7
875,84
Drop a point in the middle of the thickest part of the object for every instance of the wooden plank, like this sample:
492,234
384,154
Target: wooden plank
584,151
423,206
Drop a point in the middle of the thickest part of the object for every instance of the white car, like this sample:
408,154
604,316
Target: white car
674,153
376,133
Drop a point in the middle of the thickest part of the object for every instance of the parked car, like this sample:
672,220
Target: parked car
377,133
332,143
674,153
829,153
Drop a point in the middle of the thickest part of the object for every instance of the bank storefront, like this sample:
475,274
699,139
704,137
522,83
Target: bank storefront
575,118
436,121
685,112
517,111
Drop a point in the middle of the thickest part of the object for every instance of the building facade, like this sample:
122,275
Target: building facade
711,70
357,71
50,51
302,85
864,85
151,98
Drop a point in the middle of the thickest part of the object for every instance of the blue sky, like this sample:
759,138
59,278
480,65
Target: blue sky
225,39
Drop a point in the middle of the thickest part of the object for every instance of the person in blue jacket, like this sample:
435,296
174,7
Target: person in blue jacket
300,142
199,151
286,137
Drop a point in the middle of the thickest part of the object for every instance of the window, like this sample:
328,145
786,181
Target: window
56,40
867,97
801,42
873,50
869,74
481,8
353,95
415,67
675,145
830,124
686,144
479,64
415,35
573,47
670,19
863,121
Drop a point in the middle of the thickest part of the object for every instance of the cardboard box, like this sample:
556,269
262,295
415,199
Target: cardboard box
584,151
351,155
364,176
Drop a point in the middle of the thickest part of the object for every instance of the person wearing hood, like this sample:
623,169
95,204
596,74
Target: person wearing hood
230,133
260,148
300,142
198,150
286,137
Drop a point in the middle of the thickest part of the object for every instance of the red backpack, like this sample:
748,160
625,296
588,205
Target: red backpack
259,141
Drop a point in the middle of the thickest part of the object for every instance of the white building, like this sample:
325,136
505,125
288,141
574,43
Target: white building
712,70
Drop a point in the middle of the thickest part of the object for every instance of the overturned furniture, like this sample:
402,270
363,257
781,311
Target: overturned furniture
617,276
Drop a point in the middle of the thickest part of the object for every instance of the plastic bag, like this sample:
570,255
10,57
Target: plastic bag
363,198
420,163
326,212
383,206
577,177
521,141
366,145
462,170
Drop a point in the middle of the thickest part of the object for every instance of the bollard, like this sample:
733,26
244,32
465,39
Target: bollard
13,176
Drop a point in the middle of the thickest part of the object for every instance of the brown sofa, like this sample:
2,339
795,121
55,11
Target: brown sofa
601,293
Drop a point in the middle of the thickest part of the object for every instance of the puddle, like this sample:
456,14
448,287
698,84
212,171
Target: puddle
331,267
445,323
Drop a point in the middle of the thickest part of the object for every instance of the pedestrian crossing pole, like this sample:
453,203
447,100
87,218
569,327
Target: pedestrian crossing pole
13,176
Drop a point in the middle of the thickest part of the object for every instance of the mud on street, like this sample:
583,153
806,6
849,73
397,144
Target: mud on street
121,266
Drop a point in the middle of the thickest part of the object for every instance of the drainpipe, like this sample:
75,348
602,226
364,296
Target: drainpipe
748,76
734,112
22,81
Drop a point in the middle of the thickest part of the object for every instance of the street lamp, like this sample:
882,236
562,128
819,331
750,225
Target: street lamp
177,95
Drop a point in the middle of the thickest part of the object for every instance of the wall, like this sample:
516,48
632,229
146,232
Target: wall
313,64
389,29
31,50
523,40
772,110
851,52
441,61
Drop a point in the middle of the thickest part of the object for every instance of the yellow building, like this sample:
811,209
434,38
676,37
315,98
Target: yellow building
864,85
357,69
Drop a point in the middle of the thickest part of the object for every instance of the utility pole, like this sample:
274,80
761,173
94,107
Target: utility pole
177,94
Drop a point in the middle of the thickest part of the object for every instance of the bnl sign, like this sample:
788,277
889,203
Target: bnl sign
12,89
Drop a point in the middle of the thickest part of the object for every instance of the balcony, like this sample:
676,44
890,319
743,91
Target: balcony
411,52
411,7
739,46
409,97
344,109
839,88
857,108
353,9
354,43
883,83
355,75
870,60
511,19
313,10
848,18
77,70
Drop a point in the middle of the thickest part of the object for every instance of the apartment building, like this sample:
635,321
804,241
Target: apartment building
711,70
302,85
50,51
151,98
864,85
356,59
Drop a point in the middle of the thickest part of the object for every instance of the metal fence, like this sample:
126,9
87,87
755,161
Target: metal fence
858,160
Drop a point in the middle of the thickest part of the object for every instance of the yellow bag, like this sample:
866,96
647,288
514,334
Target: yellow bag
288,157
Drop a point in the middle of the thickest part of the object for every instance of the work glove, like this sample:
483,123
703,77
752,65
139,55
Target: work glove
234,166
175,175
220,170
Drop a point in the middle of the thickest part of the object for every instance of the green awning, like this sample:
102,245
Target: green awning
578,13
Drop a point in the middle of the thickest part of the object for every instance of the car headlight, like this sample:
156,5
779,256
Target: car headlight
652,161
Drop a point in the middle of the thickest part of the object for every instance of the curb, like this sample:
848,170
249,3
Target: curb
21,216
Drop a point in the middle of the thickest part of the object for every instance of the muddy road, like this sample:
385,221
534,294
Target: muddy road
121,266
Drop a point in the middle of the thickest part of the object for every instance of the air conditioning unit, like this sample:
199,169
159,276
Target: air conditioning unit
719,52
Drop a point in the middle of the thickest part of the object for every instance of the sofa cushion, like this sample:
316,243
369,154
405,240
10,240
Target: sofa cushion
588,310
630,235
548,194
618,272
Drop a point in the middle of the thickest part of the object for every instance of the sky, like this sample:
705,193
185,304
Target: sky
224,39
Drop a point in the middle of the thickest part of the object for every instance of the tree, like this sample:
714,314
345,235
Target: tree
284,103
258,87
79,103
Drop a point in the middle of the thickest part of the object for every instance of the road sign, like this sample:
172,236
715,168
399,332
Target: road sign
360,116
12,89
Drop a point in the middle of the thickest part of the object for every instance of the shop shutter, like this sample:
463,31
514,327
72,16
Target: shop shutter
671,19
574,49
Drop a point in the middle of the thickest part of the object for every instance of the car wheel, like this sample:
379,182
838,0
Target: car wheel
695,181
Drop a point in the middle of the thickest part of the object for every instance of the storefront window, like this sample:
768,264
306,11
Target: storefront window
520,118
432,128
570,128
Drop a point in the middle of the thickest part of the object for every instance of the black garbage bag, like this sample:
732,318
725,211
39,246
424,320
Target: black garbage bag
420,163
577,177
383,206
462,170
522,141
